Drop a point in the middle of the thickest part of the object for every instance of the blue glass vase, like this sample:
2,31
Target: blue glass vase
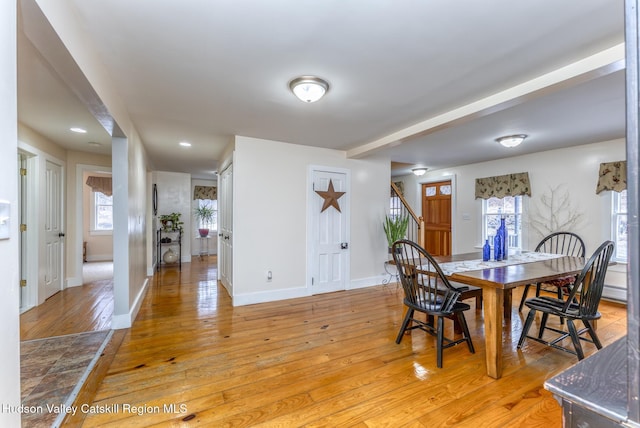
486,251
497,246
504,238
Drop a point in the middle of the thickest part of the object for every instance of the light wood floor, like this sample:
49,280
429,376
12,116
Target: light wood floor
327,360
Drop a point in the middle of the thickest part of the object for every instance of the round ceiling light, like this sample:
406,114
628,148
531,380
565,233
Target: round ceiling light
511,140
309,88
419,171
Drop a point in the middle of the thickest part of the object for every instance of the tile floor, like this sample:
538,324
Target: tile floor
52,371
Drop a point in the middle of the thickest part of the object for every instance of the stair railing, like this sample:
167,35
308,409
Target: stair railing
399,206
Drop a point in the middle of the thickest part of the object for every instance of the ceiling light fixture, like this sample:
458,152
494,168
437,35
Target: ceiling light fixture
78,130
309,88
185,144
419,171
511,140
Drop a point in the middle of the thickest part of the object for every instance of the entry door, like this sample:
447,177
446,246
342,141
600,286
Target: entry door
53,229
436,211
329,233
22,194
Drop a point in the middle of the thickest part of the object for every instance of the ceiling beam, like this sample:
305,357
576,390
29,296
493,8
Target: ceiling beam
597,65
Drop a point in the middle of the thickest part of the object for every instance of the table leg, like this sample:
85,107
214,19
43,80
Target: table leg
493,312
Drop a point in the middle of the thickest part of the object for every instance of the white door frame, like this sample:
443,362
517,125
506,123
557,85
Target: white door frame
77,279
345,208
36,165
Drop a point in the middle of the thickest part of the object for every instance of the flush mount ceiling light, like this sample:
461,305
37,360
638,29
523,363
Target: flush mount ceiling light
78,130
419,171
309,88
185,144
511,140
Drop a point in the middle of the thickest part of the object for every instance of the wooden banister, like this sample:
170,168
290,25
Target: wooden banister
418,222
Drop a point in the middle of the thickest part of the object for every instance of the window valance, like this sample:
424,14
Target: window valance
503,185
205,192
612,176
100,184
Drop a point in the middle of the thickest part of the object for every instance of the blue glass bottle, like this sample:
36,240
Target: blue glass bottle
486,251
505,239
497,246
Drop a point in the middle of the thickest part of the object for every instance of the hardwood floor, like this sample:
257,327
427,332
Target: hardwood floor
328,360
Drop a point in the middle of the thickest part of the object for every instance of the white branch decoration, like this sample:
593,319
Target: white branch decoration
555,213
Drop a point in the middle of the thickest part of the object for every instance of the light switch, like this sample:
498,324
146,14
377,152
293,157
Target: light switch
5,216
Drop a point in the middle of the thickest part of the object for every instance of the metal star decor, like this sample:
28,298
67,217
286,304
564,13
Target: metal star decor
330,197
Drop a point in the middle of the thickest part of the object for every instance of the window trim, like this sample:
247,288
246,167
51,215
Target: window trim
524,235
613,215
93,231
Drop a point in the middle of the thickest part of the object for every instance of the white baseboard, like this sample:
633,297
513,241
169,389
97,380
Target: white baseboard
126,320
269,296
100,258
366,282
73,282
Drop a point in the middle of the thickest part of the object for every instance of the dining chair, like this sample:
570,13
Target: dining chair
427,290
581,305
567,243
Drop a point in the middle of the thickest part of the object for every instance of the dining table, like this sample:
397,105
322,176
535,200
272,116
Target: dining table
497,280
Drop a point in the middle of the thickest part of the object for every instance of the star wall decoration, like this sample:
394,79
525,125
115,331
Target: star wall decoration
330,197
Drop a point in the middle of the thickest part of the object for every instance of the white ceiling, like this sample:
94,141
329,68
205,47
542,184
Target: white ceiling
428,83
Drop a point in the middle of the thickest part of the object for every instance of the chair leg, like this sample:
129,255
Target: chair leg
440,340
462,321
526,327
524,297
405,323
575,339
592,333
543,324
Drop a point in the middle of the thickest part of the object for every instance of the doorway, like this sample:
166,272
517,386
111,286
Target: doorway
436,212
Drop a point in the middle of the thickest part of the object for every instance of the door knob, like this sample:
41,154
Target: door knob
60,235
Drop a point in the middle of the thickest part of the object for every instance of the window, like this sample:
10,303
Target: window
492,211
213,224
102,212
619,225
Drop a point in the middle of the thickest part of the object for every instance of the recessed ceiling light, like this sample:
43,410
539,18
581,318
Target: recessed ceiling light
185,144
78,130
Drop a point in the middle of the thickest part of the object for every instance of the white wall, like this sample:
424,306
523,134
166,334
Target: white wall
575,169
270,217
131,198
174,195
9,248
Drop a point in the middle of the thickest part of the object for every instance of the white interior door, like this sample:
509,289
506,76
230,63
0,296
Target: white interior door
53,230
329,241
225,229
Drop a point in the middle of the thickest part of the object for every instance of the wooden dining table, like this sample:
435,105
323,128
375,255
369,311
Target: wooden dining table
497,282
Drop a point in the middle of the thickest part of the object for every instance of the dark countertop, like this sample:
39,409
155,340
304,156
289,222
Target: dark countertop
598,383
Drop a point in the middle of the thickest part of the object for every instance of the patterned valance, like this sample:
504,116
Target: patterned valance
503,185
100,184
612,176
205,192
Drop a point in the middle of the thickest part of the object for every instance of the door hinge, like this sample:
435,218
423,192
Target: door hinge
23,227
23,171
311,280
23,283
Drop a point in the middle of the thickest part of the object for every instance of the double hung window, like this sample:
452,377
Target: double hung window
492,211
